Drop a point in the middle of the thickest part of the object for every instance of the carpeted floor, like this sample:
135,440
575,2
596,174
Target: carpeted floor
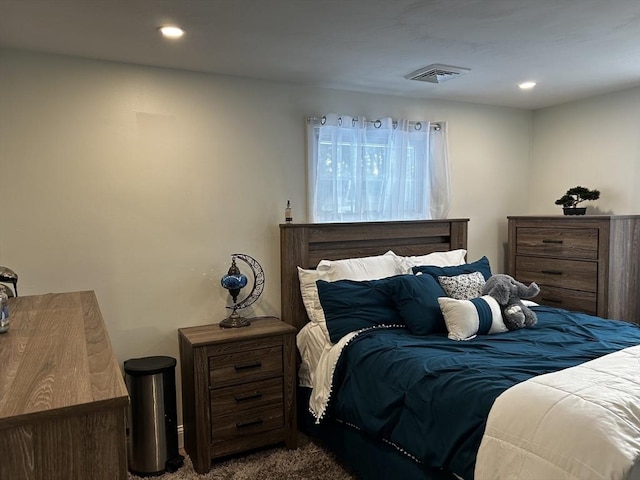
308,461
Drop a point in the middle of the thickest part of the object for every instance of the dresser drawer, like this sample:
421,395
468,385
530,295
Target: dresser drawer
243,366
578,243
570,274
247,396
567,299
245,424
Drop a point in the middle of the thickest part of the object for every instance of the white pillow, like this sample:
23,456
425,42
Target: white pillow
467,318
452,258
309,292
464,286
363,268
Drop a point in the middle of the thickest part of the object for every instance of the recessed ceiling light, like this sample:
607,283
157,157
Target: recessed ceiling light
527,85
170,31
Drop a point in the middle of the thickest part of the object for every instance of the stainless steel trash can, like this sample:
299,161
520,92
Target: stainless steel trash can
152,433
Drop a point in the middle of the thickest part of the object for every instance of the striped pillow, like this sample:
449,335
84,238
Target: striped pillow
467,318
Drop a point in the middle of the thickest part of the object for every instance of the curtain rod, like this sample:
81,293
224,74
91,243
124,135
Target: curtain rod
435,125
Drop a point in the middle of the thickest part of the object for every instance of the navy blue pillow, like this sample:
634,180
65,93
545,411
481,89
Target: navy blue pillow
349,305
481,266
416,298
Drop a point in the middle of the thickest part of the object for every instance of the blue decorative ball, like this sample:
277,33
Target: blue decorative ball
234,282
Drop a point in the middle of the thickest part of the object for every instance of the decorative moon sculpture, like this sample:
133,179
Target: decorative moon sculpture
235,281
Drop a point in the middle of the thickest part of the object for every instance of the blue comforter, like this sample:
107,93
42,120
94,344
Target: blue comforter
430,396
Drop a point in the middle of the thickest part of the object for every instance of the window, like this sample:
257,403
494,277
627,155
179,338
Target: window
360,170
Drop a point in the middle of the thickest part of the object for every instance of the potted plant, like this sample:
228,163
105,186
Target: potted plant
573,197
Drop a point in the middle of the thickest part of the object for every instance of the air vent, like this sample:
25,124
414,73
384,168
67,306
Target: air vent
437,73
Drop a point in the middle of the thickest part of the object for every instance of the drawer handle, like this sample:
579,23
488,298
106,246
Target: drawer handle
552,272
251,396
250,423
248,366
552,300
552,241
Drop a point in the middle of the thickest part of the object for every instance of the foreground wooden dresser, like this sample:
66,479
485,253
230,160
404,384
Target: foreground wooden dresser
62,395
585,263
238,388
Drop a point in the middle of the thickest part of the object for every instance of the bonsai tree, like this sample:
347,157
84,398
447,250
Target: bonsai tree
576,195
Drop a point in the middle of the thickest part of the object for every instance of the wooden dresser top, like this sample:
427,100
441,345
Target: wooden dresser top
56,358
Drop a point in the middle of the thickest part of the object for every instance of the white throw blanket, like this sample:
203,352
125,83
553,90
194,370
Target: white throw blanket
577,424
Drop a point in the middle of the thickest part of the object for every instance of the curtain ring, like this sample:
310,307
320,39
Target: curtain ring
377,124
353,122
323,120
339,121
437,127
418,126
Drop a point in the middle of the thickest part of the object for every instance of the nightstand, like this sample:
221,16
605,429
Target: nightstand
238,388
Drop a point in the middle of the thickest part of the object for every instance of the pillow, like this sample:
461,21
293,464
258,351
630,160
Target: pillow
350,306
363,268
416,299
438,259
467,318
481,266
309,292
463,287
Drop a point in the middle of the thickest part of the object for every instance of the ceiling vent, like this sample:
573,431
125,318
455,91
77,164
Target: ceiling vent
437,73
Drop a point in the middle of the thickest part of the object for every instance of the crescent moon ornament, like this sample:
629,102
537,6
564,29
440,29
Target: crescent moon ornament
234,281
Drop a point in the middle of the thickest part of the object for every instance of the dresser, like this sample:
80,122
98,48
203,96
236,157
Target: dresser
63,400
238,388
585,263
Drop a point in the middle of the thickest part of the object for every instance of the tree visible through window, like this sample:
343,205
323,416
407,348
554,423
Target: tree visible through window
374,171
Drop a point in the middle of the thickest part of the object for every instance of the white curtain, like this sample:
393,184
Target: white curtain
385,169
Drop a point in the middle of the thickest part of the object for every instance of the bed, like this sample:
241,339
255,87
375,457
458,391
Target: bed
395,404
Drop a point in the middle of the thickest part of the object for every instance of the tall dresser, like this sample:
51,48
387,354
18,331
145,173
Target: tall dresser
585,263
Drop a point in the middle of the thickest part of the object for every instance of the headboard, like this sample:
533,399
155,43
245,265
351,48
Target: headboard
304,245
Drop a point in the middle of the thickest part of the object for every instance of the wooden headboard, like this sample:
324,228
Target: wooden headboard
304,245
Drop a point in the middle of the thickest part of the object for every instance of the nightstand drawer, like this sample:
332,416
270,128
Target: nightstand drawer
251,422
571,274
237,367
579,243
239,398
567,299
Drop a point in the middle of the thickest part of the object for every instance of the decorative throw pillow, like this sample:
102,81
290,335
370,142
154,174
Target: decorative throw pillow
438,259
481,266
463,287
416,299
350,306
467,318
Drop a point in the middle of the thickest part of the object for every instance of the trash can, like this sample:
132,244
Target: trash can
152,433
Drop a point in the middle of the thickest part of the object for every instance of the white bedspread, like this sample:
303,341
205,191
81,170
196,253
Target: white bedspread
580,423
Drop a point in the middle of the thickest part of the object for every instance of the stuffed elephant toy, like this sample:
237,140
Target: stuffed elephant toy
507,291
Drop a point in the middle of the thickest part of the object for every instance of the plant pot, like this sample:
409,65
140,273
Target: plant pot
574,210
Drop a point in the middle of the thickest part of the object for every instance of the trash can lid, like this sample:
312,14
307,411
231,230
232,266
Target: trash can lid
148,365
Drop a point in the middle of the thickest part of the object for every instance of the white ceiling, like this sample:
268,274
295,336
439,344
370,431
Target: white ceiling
572,48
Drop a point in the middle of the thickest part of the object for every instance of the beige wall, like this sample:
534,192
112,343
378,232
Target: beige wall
594,143
139,182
